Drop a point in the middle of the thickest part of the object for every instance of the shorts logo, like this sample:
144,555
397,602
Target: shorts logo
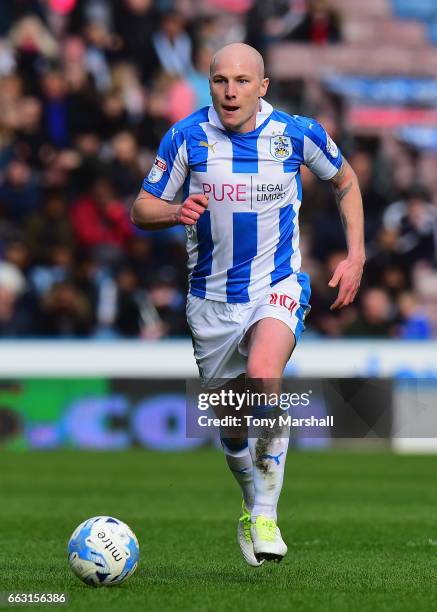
158,168
331,147
280,147
283,300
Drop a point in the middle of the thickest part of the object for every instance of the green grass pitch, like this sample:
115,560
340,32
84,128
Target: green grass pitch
361,530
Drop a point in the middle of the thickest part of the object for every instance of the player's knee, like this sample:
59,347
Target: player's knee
262,369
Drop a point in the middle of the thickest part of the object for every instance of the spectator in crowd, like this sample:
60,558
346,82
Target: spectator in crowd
414,323
414,220
198,79
56,108
169,302
269,22
65,312
373,202
99,44
11,94
115,116
35,48
140,258
59,266
16,312
126,80
31,139
125,168
17,253
87,90
49,227
323,320
84,101
172,45
376,317
101,222
88,163
320,25
20,193
383,260
134,22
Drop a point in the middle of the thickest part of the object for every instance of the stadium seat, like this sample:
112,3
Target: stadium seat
372,31
415,9
292,60
432,31
360,9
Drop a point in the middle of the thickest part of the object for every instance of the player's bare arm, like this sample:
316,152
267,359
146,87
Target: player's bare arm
349,271
151,213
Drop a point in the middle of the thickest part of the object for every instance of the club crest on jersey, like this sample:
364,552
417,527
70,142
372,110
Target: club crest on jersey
280,147
157,170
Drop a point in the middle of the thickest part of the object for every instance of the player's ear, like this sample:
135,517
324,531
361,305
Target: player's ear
263,87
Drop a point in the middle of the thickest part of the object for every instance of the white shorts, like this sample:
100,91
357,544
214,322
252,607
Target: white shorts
219,329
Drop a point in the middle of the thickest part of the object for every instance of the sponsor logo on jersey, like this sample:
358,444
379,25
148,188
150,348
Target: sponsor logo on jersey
280,147
241,192
331,147
226,191
157,170
268,192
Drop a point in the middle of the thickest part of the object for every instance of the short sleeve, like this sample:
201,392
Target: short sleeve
170,167
320,153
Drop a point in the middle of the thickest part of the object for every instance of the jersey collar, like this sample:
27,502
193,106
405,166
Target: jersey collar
265,112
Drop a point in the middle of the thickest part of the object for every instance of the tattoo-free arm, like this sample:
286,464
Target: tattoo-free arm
151,213
349,271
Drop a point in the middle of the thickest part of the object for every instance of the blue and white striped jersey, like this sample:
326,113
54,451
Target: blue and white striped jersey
248,238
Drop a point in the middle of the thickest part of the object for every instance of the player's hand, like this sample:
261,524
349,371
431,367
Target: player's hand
348,273
190,210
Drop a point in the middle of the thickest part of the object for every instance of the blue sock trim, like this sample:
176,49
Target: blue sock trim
263,411
233,445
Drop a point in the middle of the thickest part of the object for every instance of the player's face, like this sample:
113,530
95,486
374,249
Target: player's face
235,91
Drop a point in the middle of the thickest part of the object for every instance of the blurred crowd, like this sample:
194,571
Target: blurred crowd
88,88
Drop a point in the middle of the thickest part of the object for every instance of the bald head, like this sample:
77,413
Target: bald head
237,83
239,56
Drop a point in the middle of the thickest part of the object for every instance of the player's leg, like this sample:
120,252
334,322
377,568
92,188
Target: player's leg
240,463
239,460
235,446
216,331
270,344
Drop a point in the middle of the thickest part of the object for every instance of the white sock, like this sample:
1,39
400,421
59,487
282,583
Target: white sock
240,464
268,457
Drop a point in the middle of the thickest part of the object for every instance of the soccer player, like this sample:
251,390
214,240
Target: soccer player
238,162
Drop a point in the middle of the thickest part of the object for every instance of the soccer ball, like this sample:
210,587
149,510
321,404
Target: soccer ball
103,551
